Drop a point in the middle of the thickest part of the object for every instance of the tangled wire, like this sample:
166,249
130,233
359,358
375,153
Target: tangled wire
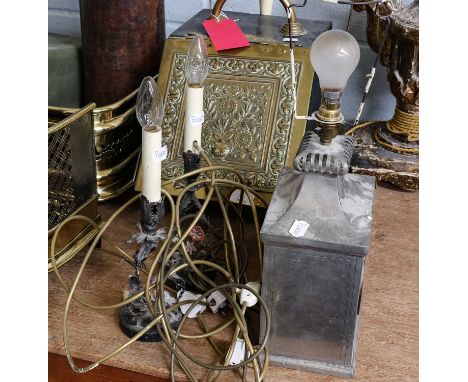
232,271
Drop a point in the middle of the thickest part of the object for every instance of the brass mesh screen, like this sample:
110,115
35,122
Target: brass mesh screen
61,199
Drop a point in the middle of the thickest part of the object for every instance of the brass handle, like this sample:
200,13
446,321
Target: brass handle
296,28
220,3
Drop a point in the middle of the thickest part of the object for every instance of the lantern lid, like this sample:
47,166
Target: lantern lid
338,210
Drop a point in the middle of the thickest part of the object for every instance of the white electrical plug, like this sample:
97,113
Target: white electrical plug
239,354
199,308
216,300
247,297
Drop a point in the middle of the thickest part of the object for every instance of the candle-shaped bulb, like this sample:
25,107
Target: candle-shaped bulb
149,107
196,64
150,111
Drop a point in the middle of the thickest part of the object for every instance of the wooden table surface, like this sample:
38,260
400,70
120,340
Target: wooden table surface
388,338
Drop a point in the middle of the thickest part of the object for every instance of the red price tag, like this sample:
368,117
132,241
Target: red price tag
225,34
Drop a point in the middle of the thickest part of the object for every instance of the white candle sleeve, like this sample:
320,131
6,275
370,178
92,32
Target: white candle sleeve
265,7
151,142
194,118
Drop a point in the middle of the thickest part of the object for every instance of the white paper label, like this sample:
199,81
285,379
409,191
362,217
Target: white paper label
160,154
286,39
197,309
235,197
299,228
197,118
239,352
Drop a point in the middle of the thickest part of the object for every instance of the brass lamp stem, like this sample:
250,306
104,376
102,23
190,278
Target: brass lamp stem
296,27
329,115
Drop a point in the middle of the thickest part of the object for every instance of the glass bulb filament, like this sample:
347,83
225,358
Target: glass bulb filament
197,61
149,106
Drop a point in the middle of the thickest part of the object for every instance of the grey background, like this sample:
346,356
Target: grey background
64,18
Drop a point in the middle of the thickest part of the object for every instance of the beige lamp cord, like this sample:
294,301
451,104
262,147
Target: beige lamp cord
167,249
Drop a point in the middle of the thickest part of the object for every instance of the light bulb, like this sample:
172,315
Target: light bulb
334,56
196,64
149,106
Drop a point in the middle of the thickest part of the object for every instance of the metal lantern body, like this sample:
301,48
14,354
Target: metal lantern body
248,118
312,284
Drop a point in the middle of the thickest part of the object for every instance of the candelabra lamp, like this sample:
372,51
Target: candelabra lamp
316,232
195,70
390,150
136,315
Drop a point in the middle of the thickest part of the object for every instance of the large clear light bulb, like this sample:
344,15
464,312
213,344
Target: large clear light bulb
334,56
196,64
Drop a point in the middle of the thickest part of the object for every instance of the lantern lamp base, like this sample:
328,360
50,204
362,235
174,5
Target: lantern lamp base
314,366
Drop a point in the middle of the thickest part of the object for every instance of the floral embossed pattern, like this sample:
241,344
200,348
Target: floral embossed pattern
238,116
248,117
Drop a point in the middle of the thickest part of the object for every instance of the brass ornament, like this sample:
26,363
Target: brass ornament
248,108
296,28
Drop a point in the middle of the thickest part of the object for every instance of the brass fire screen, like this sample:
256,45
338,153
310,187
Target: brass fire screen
71,181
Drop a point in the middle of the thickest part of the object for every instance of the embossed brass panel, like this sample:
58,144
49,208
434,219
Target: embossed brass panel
248,109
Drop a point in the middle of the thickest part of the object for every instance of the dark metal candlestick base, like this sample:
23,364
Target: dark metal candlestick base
190,204
150,216
135,316
190,201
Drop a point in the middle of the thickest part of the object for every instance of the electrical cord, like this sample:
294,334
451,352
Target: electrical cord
167,249
345,2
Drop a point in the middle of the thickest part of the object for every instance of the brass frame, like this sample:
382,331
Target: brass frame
76,234
108,123
274,54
